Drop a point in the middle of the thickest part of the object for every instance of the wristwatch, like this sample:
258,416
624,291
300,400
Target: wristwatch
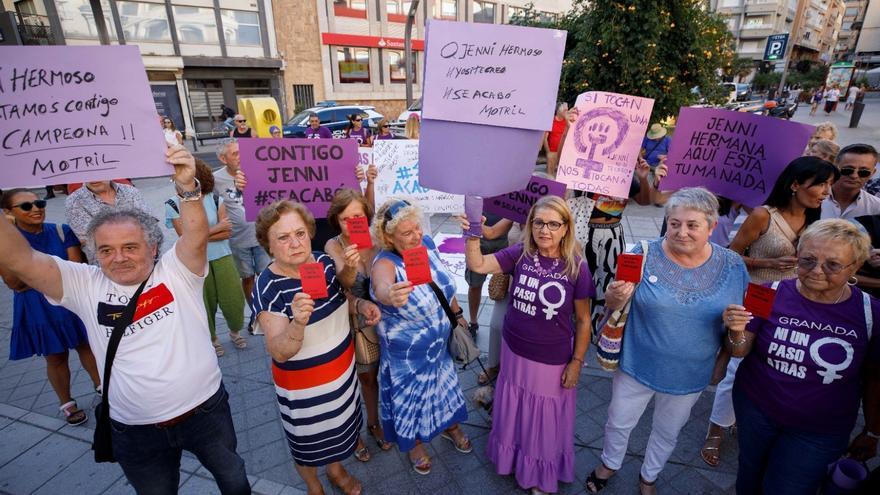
187,196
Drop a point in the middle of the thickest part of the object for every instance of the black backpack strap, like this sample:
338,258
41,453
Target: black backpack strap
443,302
170,202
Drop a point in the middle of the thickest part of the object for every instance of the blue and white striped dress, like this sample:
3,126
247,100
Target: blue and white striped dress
317,389
418,387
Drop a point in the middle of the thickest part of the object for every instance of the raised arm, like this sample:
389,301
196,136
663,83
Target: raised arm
284,337
478,262
192,248
31,268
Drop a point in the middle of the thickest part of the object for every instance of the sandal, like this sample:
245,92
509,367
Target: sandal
463,444
487,376
362,453
75,416
218,348
710,452
347,483
650,487
379,441
237,340
422,465
594,483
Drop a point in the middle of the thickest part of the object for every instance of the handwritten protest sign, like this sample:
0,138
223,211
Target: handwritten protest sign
76,114
516,205
365,157
602,146
397,161
492,74
309,171
737,155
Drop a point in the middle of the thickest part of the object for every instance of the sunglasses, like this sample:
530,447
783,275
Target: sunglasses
167,122
829,267
29,205
861,172
358,120
385,126
241,121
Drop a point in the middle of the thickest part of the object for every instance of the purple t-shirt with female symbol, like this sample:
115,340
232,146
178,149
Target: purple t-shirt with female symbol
361,135
538,324
320,133
803,370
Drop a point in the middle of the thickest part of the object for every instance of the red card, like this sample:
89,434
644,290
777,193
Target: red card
313,282
629,268
759,300
418,268
359,232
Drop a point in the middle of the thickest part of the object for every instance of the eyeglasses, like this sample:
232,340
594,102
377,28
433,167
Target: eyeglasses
385,126
862,172
829,267
552,226
29,205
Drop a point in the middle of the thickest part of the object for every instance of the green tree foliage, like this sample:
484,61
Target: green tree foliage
766,80
659,49
739,67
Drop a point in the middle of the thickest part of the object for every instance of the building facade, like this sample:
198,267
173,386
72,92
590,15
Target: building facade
198,54
867,54
817,30
752,21
352,51
851,25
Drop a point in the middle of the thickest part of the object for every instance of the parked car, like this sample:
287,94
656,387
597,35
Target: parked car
415,108
332,117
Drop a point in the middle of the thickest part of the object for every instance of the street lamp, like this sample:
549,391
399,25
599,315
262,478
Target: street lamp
407,51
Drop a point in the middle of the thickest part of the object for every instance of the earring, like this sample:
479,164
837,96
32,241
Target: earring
852,280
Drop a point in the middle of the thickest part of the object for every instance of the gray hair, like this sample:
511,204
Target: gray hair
149,225
221,150
382,226
842,231
697,199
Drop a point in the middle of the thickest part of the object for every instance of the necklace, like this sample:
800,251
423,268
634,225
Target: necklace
839,296
539,269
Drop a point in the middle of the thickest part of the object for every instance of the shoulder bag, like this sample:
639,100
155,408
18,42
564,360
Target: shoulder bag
102,443
498,285
461,344
366,341
610,345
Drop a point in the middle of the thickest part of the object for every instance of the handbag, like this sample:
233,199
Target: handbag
498,285
610,344
102,442
461,345
366,342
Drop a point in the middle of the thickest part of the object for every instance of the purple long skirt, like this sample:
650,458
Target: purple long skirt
532,423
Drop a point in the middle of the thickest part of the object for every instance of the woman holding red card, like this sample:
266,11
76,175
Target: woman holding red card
807,367
308,338
767,243
542,350
421,396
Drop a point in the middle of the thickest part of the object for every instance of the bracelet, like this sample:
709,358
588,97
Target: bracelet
459,313
735,344
575,358
192,195
357,305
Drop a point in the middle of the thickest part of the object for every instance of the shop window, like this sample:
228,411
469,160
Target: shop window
78,21
350,8
195,24
484,12
354,64
241,28
445,9
143,21
397,10
397,66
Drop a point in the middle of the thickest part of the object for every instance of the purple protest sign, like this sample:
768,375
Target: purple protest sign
516,205
77,114
737,155
493,74
308,171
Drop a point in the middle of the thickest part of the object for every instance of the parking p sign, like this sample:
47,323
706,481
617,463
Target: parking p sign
775,49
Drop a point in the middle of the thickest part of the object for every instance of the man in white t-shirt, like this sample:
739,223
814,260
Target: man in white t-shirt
851,96
165,391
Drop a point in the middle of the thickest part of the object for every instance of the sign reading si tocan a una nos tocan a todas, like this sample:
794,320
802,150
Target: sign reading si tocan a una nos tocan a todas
308,171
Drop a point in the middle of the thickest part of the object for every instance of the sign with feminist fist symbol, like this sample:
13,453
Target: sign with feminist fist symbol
601,122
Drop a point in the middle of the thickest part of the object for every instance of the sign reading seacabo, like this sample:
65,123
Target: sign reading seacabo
397,162
737,155
516,205
76,114
308,171
603,145
489,94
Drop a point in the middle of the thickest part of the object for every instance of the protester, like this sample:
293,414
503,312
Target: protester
312,352
172,135
166,394
346,204
419,389
816,98
831,98
222,287
249,257
824,130
824,149
474,280
356,130
542,351
275,132
767,243
655,145
851,96
84,204
227,114
316,130
412,127
857,163
38,327
553,138
384,130
672,335
807,367
241,129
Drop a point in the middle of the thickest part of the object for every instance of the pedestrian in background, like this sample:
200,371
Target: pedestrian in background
357,131
241,128
315,130
412,128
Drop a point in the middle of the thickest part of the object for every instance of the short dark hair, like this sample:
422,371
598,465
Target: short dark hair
857,149
340,202
6,198
269,215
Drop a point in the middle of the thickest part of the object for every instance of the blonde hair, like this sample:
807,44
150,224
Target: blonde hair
413,127
382,225
825,149
827,126
837,229
271,214
569,248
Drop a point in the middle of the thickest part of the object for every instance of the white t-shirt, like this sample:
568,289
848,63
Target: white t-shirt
171,137
832,95
865,204
165,364
853,92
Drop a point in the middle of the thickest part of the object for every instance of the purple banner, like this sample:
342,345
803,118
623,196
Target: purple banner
737,155
516,205
307,171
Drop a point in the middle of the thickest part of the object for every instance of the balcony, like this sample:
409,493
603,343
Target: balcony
35,30
756,31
